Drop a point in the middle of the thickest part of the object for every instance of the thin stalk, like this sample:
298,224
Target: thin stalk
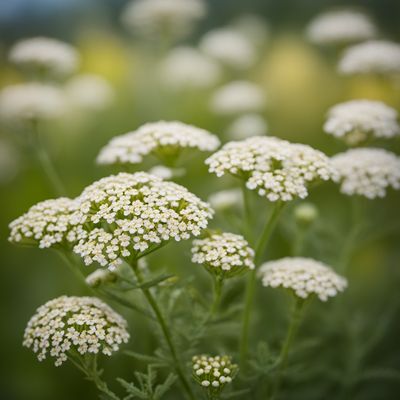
218,283
166,332
46,162
246,212
291,333
251,280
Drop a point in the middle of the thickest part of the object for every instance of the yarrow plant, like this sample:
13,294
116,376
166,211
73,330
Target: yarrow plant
164,140
356,121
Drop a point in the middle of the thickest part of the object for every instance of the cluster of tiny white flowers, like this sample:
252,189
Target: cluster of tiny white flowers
22,103
99,277
375,56
367,172
230,47
49,223
238,97
161,139
84,324
304,276
45,56
186,67
340,27
356,120
247,125
275,168
224,199
89,92
215,372
133,212
160,17
224,254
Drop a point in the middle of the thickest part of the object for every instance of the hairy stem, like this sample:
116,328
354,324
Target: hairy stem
251,280
166,332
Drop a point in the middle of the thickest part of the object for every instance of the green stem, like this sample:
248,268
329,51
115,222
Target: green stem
291,332
218,283
45,162
246,212
251,280
166,332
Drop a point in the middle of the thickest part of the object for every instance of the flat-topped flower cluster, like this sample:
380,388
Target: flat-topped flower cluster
304,276
116,217
161,139
275,168
224,254
81,324
367,172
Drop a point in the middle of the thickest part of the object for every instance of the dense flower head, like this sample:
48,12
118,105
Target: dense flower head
224,199
186,67
45,56
54,222
238,97
275,168
159,17
23,103
336,27
247,125
213,373
89,92
356,120
133,212
82,324
367,172
374,56
225,254
304,276
162,139
229,46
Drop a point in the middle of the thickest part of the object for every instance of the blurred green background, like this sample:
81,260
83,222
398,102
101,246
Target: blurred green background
301,83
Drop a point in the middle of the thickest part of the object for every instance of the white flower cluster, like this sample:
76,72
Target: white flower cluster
341,26
247,125
186,67
275,168
224,254
374,56
133,212
23,103
162,139
82,324
238,97
89,92
356,120
230,47
49,223
100,276
45,56
213,373
226,198
159,17
304,276
367,172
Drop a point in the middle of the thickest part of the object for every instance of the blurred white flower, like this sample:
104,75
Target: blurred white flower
374,56
100,277
89,92
343,26
9,161
357,120
174,18
304,276
166,173
275,168
230,47
164,140
224,254
238,97
24,103
252,26
45,57
226,199
186,67
82,324
247,125
367,172
305,213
